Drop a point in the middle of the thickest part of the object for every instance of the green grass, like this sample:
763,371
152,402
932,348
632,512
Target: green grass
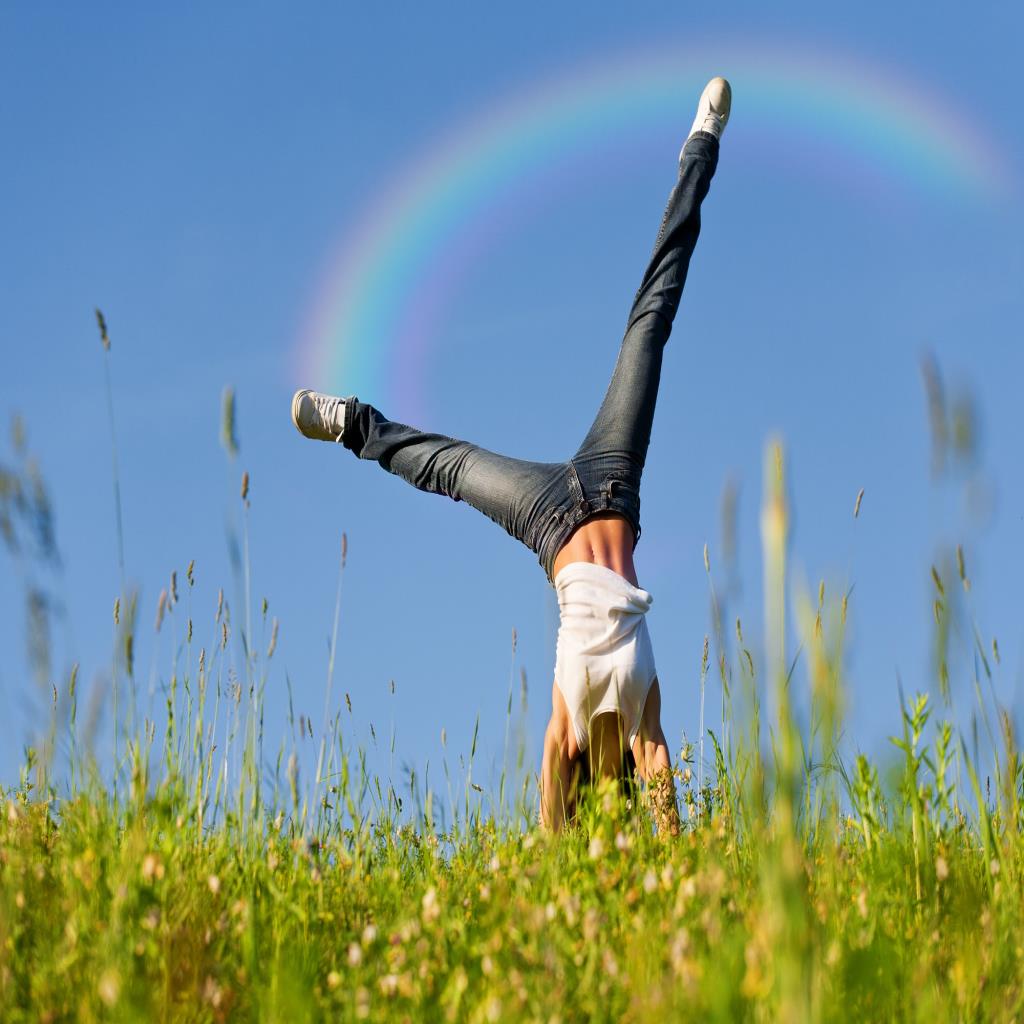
191,882
131,912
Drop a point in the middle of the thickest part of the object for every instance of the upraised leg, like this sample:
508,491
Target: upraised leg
623,423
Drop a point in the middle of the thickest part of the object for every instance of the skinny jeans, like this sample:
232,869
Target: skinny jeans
542,503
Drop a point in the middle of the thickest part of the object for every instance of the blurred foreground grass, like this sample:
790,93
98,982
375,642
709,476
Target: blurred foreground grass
131,912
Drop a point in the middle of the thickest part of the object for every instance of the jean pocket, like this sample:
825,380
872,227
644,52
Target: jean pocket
544,524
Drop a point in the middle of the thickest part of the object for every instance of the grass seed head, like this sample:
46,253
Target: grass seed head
227,423
161,607
101,323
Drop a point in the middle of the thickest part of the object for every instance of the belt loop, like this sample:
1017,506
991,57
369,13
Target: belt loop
576,489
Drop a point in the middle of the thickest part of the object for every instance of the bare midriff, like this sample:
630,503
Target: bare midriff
604,539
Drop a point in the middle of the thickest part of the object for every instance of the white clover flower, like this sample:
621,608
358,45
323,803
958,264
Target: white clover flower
431,906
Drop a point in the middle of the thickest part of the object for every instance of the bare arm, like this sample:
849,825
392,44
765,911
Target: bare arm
556,767
653,762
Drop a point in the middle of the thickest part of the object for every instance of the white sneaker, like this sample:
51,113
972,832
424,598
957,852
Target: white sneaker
321,417
712,109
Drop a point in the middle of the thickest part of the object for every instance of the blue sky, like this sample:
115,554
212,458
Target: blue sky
191,171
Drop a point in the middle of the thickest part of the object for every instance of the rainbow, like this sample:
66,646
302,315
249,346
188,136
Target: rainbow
377,311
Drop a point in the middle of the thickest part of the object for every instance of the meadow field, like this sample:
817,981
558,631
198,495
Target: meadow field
197,870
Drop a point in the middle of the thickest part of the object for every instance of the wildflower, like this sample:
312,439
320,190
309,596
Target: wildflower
550,912
214,884
355,954
362,1003
493,1009
212,992
862,903
431,906
369,935
152,867
941,868
389,984
109,987
994,867
487,965
596,848
650,881
333,980
621,842
495,865
572,910
611,965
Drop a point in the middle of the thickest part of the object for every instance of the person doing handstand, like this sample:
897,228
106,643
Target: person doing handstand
581,517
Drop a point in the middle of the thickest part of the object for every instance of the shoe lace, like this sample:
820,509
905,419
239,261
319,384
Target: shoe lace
327,407
712,122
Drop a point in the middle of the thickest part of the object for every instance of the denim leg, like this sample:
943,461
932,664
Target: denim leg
622,429
518,495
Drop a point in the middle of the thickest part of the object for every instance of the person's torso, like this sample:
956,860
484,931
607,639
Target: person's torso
604,660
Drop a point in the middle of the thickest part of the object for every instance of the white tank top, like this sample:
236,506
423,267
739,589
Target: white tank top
604,660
